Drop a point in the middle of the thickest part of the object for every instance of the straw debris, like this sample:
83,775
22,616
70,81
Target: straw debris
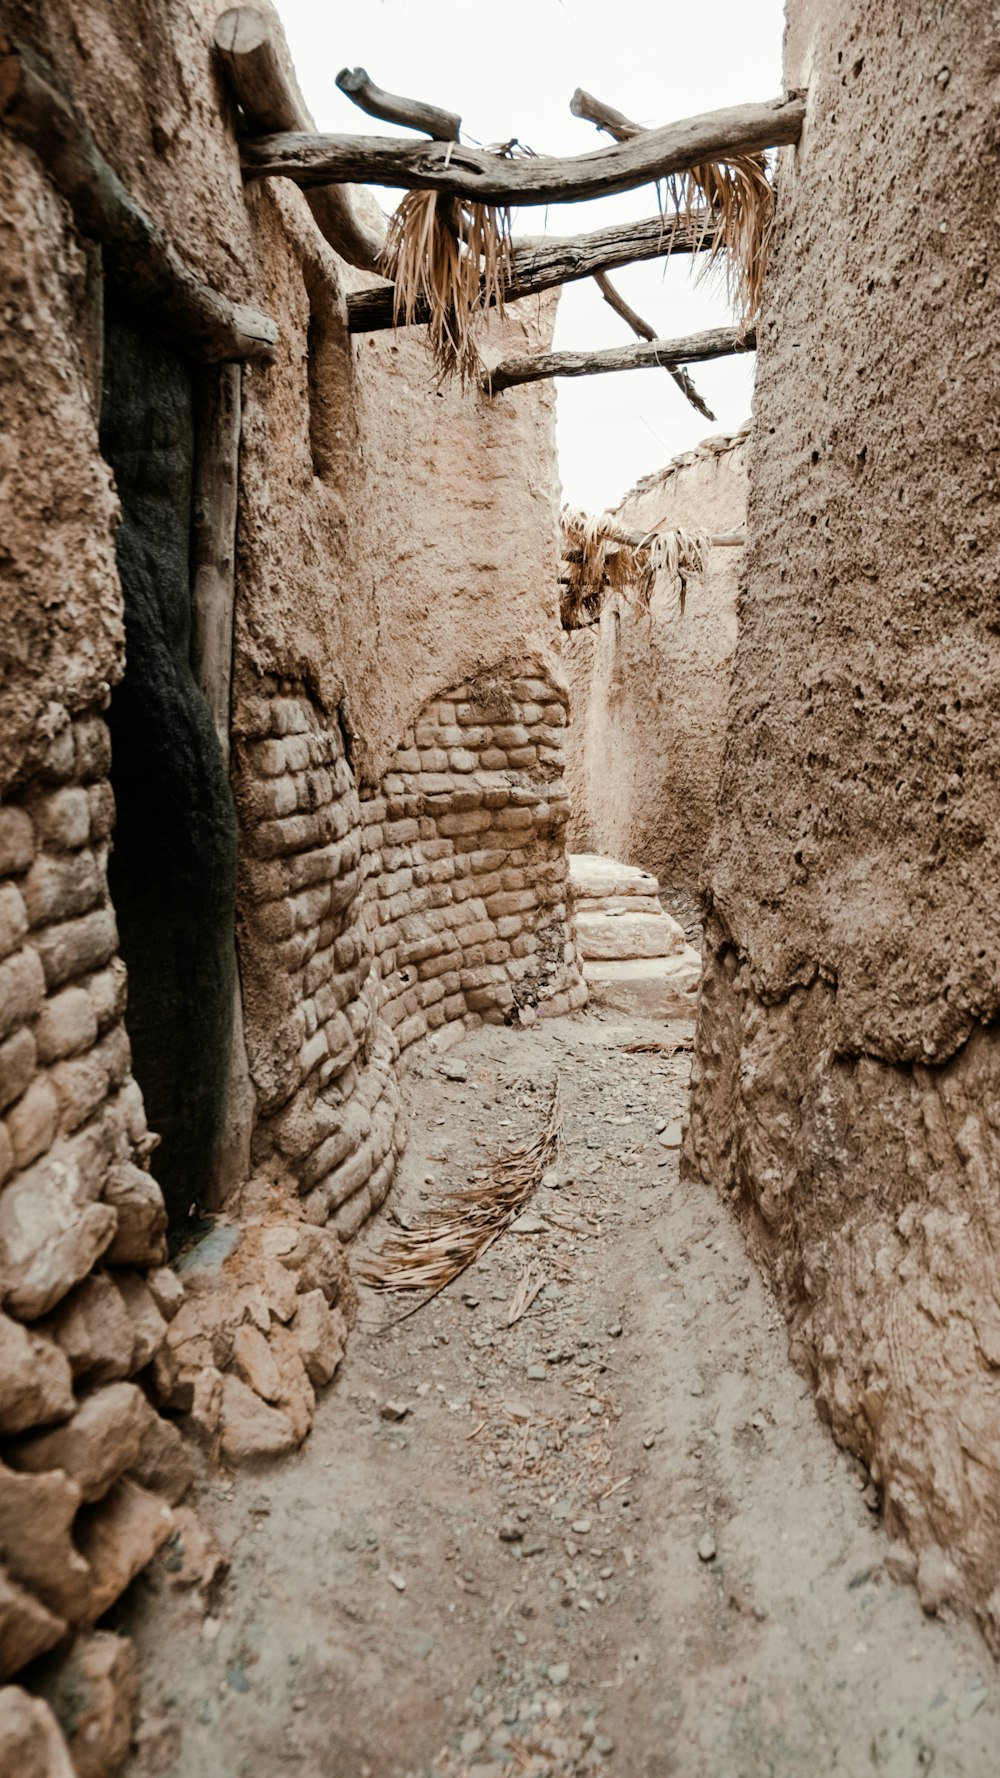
432,1254
456,258
600,560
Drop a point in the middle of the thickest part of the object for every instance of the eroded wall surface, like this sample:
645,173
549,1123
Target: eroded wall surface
649,692
845,1085
397,774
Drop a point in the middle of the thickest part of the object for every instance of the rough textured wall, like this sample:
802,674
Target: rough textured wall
847,1071
649,694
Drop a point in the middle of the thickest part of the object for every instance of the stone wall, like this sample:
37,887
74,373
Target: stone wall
847,1070
649,690
87,1469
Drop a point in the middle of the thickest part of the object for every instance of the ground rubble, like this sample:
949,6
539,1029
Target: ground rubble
608,1535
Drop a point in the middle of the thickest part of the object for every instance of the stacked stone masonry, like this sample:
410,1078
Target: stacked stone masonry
88,1469
321,1057
465,863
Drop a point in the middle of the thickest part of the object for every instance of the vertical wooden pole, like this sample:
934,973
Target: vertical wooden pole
213,603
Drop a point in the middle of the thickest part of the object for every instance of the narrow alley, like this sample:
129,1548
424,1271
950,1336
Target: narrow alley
611,1537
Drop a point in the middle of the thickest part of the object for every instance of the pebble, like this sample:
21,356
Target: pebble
558,1674
707,1547
394,1410
536,1373
397,1581
604,1744
581,1526
453,1069
508,1532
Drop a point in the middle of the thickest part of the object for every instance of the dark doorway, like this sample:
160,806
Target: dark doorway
173,867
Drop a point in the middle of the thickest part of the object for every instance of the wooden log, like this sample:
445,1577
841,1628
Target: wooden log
137,256
543,264
248,51
541,179
643,331
718,342
583,104
413,114
634,540
213,540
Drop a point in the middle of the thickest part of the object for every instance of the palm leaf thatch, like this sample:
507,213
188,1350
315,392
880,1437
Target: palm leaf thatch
599,560
733,200
455,257
430,1256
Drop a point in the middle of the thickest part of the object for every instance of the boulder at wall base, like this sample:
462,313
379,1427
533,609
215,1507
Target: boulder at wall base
617,937
31,1741
27,1629
36,1385
118,1537
94,1693
250,1429
99,1444
36,1542
49,1239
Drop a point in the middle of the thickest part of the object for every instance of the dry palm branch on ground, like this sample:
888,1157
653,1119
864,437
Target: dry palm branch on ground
429,1256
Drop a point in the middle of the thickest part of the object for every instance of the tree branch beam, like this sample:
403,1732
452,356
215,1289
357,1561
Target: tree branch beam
718,342
357,85
313,160
583,104
643,331
542,264
248,50
137,256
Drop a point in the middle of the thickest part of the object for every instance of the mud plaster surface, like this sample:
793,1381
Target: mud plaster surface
843,1092
790,1651
649,692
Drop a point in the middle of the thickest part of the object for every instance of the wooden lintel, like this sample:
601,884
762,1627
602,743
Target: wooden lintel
249,52
312,160
717,342
138,258
544,263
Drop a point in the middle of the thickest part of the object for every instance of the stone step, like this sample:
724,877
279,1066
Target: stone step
592,875
607,937
647,987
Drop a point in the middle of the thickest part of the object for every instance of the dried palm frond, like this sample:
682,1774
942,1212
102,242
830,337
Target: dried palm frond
455,257
430,1256
599,559
733,200
655,1047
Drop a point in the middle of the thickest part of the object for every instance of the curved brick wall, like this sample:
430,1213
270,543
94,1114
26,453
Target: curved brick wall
321,1059
365,926
465,861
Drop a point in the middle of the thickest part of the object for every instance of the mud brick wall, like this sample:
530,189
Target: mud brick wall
87,1468
465,865
321,1058
847,1074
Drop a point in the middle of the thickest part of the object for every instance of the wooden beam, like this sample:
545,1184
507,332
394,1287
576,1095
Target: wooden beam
249,53
718,342
137,256
583,104
643,331
542,264
635,539
413,114
471,173
213,540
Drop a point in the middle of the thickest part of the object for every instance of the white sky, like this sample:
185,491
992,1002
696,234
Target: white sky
511,70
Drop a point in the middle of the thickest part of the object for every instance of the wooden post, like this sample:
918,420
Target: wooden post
218,419
248,49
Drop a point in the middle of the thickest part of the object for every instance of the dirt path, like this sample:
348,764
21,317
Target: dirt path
611,1538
